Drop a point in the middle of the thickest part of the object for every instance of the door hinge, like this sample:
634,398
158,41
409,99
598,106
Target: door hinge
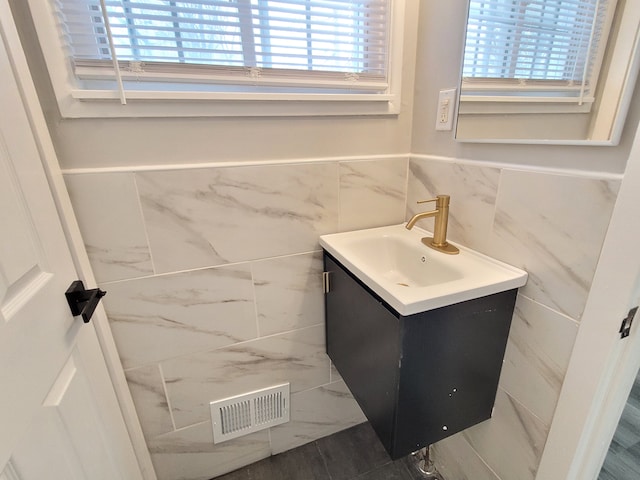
326,286
625,328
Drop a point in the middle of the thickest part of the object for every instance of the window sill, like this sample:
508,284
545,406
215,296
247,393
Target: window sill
505,105
106,103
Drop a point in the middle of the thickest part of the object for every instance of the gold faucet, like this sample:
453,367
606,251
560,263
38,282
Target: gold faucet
439,239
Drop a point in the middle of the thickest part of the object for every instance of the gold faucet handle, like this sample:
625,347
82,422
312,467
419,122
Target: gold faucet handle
441,201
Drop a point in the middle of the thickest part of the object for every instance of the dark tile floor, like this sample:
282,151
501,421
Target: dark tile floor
352,454
623,458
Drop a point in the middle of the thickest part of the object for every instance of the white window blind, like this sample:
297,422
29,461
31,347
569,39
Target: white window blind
301,44
550,48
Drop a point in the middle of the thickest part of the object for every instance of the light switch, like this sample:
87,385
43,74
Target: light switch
445,110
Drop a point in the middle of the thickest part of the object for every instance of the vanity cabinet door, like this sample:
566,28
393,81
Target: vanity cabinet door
363,341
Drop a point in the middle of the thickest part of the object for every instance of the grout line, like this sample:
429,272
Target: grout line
496,200
518,401
536,417
340,209
406,190
498,477
324,460
323,385
409,471
551,309
185,428
210,267
144,223
255,299
166,394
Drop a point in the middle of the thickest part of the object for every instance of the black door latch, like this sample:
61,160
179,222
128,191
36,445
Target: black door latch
625,328
83,302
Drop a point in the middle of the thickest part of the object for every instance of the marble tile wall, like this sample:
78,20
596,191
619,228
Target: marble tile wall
553,226
214,288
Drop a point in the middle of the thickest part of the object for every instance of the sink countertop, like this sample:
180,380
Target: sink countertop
413,278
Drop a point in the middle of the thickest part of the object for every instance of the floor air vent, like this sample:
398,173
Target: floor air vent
243,414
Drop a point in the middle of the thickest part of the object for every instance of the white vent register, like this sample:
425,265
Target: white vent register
243,414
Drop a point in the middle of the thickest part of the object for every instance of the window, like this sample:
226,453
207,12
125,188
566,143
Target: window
536,51
307,51
548,71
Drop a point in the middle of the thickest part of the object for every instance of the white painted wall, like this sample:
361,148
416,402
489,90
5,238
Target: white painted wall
90,143
116,142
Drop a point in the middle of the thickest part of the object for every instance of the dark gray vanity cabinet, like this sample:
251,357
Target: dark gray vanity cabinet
417,378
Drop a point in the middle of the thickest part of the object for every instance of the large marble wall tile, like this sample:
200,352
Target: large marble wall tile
456,460
317,413
537,356
553,226
108,213
147,390
511,442
473,195
204,217
288,292
164,316
193,381
190,454
372,193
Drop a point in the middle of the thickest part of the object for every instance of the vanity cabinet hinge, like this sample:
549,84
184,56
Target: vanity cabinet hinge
625,328
326,286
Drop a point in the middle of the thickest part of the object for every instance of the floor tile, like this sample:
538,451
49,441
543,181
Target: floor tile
304,462
242,474
606,475
390,471
623,458
352,452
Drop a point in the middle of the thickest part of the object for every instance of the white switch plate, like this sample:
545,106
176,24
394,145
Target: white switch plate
446,109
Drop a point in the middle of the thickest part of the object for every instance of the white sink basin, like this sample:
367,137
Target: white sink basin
413,278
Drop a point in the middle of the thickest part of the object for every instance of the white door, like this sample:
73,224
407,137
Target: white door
59,417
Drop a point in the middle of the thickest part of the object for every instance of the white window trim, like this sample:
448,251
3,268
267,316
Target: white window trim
182,102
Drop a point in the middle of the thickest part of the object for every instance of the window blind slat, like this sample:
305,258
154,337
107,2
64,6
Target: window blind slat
336,44
275,5
310,36
178,23
228,9
539,39
512,28
286,16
